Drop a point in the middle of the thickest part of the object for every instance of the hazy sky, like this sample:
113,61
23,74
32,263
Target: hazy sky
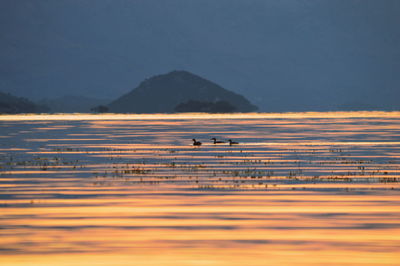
282,54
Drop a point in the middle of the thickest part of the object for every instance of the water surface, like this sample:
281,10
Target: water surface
299,188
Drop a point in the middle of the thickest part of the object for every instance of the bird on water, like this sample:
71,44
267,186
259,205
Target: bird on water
232,142
196,143
217,141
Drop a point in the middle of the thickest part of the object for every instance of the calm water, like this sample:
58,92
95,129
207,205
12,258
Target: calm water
301,188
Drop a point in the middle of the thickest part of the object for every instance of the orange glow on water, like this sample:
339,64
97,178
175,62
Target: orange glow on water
299,188
185,116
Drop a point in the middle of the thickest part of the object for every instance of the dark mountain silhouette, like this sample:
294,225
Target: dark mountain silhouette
13,105
99,109
72,104
205,107
162,93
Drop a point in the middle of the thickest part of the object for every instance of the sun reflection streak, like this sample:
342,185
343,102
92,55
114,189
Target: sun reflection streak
185,116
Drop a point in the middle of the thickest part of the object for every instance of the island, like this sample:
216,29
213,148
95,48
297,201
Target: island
180,91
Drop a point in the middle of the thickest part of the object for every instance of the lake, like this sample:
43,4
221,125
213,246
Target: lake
299,188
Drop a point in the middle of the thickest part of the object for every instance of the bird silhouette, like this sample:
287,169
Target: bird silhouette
196,143
217,141
232,142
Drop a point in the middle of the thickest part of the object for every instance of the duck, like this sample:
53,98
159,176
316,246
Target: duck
196,143
217,141
232,142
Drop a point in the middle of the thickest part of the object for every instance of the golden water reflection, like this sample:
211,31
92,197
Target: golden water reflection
300,188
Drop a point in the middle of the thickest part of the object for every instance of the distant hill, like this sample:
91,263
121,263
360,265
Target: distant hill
162,93
72,104
205,107
11,104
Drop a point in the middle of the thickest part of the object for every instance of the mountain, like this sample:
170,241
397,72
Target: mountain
162,93
205,107
10,104
72,104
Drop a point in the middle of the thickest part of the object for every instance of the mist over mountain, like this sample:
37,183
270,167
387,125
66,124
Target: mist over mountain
10,104
72,103
289,55
164,93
